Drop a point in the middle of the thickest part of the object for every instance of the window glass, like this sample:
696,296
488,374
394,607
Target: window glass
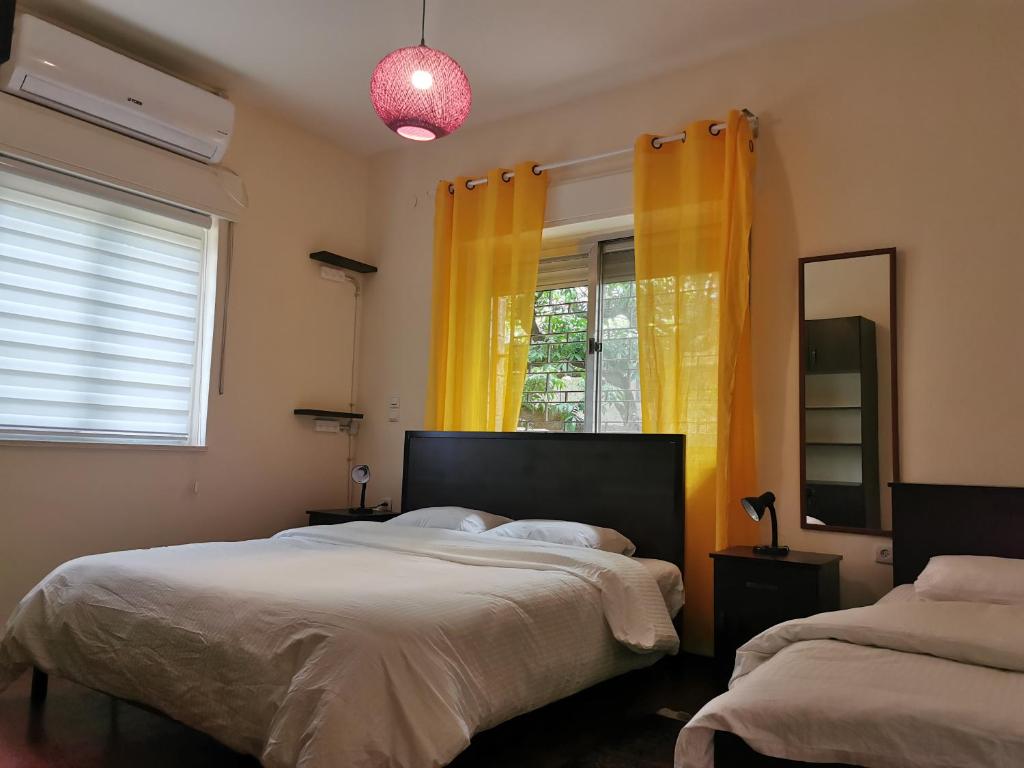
555,389
618,381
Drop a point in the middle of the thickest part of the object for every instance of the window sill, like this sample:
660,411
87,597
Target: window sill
77,445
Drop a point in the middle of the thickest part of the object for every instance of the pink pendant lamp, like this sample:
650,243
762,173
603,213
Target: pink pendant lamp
420,93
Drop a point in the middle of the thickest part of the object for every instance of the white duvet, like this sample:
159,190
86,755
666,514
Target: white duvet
893,685
344,646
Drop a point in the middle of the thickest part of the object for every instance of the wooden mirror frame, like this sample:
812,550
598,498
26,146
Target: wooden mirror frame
891,252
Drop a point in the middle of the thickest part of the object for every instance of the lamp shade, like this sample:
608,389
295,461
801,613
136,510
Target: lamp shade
420,93
756,505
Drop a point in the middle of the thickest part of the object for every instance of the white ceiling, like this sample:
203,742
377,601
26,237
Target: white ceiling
313,58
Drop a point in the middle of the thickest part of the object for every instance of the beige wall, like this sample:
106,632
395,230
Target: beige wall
898,130
289,344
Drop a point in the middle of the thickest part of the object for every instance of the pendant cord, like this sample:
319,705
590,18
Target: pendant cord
423,24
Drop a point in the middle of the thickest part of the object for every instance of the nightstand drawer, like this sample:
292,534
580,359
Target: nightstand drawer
767,590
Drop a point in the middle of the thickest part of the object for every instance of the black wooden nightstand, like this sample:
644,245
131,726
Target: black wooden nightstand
755,592
335,516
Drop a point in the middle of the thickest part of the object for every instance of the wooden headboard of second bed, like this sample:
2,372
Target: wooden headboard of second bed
953,520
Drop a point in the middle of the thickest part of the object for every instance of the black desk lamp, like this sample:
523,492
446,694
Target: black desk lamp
755,507
361,475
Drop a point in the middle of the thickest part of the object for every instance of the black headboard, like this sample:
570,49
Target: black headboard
932,520
6,29
632,483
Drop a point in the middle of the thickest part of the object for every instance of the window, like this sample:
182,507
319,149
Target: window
583,366
106,313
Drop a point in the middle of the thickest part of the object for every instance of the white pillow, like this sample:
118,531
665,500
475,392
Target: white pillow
563,532
972,578
450,518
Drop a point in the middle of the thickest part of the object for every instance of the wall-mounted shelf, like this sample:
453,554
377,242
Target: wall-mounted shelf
342,263
331,421
322,414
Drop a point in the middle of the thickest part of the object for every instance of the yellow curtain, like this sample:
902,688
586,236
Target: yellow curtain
486,250
693,208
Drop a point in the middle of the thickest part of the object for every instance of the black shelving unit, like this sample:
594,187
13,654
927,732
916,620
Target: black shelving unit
836,346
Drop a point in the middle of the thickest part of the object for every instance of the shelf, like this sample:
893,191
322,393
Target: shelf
322,414
841,483
833,407
342,263
834,372
857,445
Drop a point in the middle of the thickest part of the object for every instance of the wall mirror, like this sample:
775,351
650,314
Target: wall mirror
849,436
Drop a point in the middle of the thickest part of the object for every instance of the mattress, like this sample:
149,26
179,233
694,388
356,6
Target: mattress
355,645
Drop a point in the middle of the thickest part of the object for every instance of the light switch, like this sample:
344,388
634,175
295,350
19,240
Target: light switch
394,408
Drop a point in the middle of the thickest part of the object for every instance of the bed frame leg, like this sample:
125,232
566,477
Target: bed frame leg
40,682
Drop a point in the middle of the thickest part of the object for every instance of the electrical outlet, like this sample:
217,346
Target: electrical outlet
883,554
385,502
325,425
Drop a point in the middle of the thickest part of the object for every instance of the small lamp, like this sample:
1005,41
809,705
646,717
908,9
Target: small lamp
755,507
361,475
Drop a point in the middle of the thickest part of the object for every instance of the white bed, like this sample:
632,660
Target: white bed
905,683
350,645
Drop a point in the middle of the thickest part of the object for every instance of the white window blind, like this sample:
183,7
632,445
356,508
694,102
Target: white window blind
563,271
106,314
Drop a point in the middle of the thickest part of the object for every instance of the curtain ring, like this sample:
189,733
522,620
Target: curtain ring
535,171
451,189
505,176
750,143
469,184
656,142
712,131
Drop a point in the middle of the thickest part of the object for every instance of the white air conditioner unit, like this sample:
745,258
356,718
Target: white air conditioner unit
58,69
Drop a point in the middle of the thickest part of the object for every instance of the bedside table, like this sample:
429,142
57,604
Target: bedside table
336,516
755,592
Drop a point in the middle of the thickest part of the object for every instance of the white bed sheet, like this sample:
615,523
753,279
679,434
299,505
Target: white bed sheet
669,580
351,645
904,593
905,683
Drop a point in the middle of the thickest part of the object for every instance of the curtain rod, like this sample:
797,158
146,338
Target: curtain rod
715,129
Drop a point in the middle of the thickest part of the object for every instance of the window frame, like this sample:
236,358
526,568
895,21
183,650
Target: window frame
592,247
206,306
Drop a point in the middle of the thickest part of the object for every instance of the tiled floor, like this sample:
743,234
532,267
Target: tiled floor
610,726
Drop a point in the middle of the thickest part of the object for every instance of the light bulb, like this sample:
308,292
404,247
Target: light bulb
422,80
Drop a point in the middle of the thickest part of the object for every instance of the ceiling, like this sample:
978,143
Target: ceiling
312,58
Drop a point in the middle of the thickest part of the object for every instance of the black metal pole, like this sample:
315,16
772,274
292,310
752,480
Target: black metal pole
775,527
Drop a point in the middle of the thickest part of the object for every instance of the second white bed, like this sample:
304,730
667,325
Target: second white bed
904,683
